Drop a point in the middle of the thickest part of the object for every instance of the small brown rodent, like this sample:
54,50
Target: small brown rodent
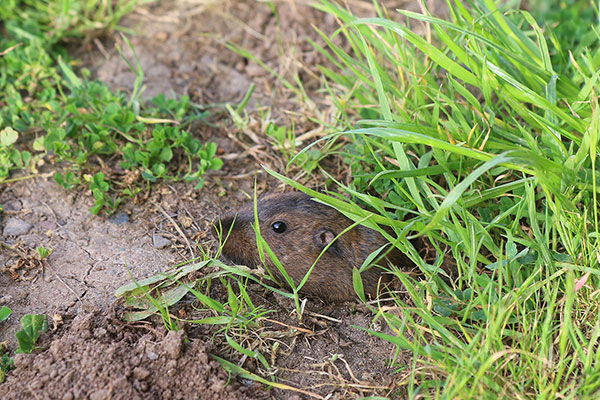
297,229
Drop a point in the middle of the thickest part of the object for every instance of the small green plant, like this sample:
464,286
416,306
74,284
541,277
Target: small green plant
6,362
100,189
68,181
284,137
285,141
207,161
5,313
32,325
239,115
10,157
43,252
99,122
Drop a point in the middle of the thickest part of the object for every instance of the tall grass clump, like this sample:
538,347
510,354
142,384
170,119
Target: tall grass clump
476,142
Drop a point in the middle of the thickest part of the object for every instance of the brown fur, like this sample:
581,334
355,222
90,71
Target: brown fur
310,226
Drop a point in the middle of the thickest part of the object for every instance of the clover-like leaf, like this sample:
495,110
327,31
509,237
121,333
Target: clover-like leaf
32,325
8,136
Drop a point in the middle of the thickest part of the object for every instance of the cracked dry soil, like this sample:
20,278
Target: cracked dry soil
89,352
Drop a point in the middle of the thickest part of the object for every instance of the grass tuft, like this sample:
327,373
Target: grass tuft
481,141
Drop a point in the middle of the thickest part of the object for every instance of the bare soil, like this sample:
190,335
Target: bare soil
89,351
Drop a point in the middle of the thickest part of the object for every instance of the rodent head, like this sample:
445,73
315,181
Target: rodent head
298,229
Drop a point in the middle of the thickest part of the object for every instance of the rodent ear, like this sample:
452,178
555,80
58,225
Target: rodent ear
323,237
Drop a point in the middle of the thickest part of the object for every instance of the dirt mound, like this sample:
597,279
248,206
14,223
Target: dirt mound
99,357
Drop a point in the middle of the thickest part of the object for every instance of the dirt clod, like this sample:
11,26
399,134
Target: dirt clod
173,344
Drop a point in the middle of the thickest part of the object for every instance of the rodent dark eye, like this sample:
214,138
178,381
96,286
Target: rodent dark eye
279,227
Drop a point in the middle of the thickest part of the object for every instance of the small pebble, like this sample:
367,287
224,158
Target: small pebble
119,218
171,365
35,384
159,242
100,332
16,227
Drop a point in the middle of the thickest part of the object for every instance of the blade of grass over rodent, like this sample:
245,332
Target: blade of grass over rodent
222,240
263,247
308,273
344,207
266,249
